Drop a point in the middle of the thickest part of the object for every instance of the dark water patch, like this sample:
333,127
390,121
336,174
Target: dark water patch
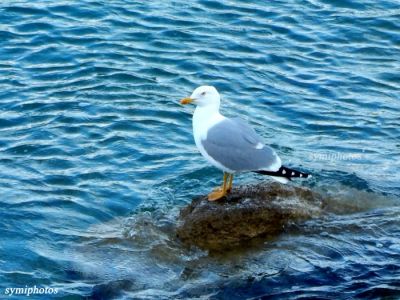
60,180
25,10
34,27
113,289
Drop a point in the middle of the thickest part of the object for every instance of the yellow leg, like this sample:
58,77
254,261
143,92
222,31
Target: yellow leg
219,192
229,189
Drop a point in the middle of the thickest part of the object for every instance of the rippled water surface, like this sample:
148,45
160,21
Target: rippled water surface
97,155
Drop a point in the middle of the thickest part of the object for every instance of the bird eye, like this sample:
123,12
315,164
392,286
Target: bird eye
203,93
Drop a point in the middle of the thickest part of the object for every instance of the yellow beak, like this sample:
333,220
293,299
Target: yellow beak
186,100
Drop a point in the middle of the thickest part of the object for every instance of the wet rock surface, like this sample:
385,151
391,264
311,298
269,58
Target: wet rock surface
260,210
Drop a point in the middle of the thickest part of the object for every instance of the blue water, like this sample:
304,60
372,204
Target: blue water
97,155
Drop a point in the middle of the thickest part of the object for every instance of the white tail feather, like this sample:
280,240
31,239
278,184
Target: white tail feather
283,180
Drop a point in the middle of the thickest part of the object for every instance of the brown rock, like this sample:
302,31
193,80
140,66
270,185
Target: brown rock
248,212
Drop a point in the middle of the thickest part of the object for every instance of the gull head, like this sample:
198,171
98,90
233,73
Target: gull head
204,95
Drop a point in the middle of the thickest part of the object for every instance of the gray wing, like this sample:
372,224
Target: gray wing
235,145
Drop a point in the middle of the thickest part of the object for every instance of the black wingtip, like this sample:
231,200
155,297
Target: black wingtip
285,172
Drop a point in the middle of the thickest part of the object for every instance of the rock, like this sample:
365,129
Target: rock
248,212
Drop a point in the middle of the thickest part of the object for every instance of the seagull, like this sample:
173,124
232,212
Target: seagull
231,145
